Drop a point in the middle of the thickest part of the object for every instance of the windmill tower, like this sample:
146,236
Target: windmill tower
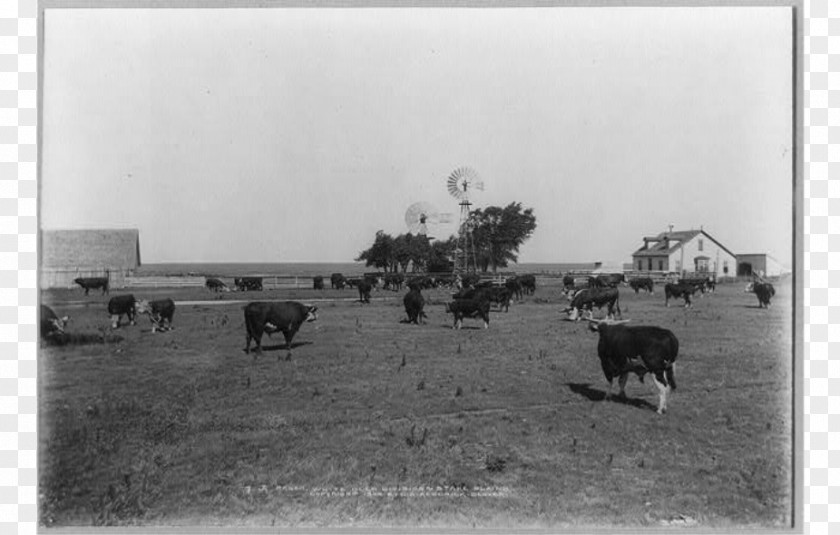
461,184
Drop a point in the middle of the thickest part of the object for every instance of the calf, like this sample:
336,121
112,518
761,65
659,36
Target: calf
317,282
52,327
337,281
642,283
160,312
680,290
119,305
364,287
414,303
639,350
763,290
588,298
287,317
216,285
91,283
469,308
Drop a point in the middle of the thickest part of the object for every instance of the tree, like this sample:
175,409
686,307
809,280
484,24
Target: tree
499,232
381,254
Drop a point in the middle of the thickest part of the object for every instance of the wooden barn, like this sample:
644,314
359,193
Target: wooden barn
686,252
67,254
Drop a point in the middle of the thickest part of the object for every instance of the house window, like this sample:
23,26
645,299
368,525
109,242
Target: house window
700,244
640,265
660,266
725,267
650,264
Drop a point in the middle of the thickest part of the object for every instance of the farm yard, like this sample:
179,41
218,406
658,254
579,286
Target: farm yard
378,423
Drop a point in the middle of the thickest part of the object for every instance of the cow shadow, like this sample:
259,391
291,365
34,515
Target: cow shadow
752,306
278,347
593,394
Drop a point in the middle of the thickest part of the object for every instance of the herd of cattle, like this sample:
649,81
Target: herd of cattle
622,349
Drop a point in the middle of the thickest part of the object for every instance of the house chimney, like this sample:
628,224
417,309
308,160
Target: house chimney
670,228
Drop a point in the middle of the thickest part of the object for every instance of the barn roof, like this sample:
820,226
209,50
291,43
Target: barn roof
90,248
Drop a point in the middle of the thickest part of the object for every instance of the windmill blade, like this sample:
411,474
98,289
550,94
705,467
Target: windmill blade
418,215
462,180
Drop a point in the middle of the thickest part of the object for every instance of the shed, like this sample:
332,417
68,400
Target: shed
67,254
761,264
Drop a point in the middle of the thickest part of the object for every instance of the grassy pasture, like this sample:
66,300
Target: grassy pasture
497,428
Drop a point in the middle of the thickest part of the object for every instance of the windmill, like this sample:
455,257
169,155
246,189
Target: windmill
462,183
421,216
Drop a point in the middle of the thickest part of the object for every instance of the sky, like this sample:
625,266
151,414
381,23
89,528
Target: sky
293,135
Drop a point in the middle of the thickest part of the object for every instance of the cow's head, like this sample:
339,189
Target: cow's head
57,325
141,306
312,313
750,288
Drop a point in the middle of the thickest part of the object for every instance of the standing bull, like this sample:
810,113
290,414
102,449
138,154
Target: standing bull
287,317
119,305
639,350
92,283
763,290
160,312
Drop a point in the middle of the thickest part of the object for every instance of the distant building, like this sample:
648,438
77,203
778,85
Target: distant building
67,254
759,264
687,252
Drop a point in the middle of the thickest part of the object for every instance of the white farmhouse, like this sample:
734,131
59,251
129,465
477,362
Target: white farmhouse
687,252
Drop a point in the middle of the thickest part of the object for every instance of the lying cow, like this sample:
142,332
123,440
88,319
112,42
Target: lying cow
216,285
52,327
160,312
92,283
119,305
588,298
642,283
287,317
469,308
763,290
640,350
414,303
673,291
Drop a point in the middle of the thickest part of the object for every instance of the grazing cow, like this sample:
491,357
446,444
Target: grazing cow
394,281
287,317
499,295
244,284
763,290
52,327
216,285
414,303
528,284
160,312
92,283
119,305
642,283
588,298
640,350
469,308
317,282
609,280
337,281
364,290
680,290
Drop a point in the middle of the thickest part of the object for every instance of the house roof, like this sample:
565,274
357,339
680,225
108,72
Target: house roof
92,248
675,241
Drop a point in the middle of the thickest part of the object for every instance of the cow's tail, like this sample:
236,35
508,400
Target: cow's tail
670,364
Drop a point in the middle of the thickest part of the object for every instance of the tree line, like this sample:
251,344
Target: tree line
497,232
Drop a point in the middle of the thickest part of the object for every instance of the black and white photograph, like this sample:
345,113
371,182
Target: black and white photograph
379,267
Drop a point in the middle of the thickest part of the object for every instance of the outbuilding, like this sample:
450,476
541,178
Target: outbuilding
67,254
760,264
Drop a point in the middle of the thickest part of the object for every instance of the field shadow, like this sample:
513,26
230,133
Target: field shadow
81,339
278,347
593,394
